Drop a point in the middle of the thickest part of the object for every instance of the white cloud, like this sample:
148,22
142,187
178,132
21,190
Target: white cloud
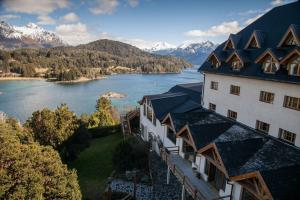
277,2
224,28
133,3
280,2
45,20
41,7
75,34
70,17
7,17
252,19
104,7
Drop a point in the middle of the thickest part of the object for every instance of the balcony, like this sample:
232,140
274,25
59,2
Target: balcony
181,168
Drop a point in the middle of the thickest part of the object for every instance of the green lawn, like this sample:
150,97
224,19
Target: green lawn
94,165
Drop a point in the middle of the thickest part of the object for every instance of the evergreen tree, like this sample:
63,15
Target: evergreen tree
53,127
31,171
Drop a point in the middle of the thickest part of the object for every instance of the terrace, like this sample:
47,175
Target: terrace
181,168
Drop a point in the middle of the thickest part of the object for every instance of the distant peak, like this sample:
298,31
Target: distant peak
32,25
206,43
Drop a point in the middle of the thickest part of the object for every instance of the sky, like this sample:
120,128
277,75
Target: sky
139,22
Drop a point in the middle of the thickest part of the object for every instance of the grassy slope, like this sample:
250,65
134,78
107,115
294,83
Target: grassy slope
94,165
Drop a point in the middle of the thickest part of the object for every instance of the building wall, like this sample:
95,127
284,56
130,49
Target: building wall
151,128
201,163
247,104
159,130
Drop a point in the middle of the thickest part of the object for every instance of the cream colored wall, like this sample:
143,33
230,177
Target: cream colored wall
247,104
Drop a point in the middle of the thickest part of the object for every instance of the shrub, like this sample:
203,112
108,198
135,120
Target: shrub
131,154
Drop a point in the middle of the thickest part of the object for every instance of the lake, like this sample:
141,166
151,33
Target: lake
20,98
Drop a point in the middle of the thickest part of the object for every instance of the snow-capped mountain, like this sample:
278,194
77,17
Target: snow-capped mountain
195,53
160,46
29,36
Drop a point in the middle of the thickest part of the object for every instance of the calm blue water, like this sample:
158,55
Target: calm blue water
20,98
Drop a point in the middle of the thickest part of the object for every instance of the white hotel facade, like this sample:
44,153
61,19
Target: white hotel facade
240,140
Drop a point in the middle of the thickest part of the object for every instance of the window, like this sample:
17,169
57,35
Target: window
214,85
171,135
215,176
186,148
270,65
290,40
143,131
253,44
220,180
266,97
144,111
291,102
262,126
229,45
214,62
232,115
149,113
294,66
287,136
212,107
246,195
207,166
154,120
234,89
236,63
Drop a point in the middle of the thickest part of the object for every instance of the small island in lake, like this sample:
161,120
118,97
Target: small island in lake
113,95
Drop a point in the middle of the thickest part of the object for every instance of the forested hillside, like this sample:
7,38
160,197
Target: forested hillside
95,58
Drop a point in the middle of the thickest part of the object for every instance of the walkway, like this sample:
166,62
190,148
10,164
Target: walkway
202,186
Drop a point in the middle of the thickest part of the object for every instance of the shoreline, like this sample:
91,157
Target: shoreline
80,80
21,78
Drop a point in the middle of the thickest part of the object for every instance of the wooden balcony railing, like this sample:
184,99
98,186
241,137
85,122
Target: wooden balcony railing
196,194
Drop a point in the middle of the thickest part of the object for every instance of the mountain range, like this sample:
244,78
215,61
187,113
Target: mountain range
29,36
195,53
34,36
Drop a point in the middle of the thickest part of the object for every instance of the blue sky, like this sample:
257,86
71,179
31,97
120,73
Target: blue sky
139,22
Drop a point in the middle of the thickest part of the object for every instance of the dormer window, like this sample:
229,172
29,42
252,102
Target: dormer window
270,65
228,45
294,66
290,38
253,44
236,63
215,63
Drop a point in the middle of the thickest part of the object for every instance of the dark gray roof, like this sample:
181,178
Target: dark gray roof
196,117
271,32
283,183
179,99
204,134
243,149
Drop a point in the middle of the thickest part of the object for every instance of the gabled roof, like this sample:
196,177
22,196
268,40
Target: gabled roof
259,38
276,54
180,98
272,32
295,31
197,117
241,55
234,39
283,182
296,50
213,54
243,152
